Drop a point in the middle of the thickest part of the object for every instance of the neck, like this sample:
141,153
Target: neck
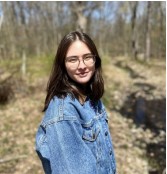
83,91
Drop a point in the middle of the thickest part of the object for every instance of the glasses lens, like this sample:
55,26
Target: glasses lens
73,62
89,60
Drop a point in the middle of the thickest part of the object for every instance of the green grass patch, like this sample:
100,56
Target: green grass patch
39,66
36,67
105,60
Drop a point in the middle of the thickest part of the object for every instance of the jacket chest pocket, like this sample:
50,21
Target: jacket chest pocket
90,133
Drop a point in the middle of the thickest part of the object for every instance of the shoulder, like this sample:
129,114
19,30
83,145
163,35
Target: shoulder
60,109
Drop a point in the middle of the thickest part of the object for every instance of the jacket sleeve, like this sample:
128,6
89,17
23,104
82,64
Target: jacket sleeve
63,151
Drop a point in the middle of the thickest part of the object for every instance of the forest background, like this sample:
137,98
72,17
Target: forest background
131,39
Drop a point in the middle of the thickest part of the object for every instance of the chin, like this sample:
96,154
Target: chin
83,80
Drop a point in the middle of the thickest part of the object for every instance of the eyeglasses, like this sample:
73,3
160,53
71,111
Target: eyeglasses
88,60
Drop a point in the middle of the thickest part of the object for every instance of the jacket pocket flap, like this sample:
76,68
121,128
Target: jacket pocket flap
90,134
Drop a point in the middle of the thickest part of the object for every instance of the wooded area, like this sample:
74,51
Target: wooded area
135,28
131,39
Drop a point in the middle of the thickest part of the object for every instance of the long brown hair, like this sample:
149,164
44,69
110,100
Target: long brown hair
59,83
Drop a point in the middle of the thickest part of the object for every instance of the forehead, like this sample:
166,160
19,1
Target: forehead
77,48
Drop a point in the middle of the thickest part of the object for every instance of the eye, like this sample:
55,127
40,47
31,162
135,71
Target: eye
72,59
88,57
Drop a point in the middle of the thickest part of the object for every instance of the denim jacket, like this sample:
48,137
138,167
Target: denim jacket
75,139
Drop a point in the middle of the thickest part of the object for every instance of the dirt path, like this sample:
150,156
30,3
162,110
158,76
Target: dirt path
124,78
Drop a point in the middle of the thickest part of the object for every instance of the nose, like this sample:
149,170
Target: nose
81,65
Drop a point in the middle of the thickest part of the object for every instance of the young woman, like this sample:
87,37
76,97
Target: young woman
73,137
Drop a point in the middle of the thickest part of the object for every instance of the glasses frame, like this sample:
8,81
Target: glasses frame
83,56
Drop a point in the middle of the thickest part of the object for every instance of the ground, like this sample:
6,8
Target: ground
21,116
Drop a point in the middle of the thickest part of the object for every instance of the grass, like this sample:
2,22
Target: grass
20,117
39,66
36,67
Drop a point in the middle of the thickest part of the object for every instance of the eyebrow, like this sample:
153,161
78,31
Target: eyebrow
82,55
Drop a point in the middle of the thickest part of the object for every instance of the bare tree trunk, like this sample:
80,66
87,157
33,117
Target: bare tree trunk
100,31
148,27
134,32
81,22
8,20
1,46
160,31
78,8
1,20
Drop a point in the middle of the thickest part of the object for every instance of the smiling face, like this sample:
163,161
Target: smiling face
81,73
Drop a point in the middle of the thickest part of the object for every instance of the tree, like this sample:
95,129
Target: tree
116,27
161,30
133,6
148,28
81,10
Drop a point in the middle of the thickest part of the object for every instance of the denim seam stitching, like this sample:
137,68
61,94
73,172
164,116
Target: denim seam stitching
61,108
58,119
41,140
92,120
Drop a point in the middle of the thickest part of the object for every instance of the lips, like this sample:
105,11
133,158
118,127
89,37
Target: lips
84,74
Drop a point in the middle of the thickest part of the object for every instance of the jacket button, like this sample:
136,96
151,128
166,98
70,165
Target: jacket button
110,152
106,133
